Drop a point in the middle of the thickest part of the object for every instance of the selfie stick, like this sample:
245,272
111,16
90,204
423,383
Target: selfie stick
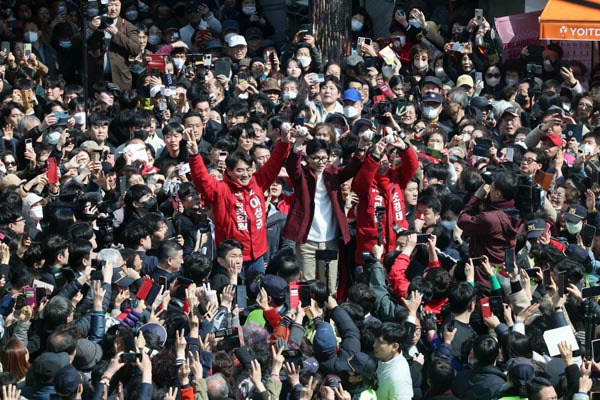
590,326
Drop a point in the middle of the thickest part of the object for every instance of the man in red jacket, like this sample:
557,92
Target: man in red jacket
492,222
238,201
382,186
316,218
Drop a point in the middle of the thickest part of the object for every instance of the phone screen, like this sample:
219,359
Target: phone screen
587,234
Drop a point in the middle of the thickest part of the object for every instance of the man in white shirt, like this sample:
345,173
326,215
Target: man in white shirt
393,373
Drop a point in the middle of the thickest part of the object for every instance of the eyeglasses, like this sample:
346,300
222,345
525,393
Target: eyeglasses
320,159
528,160
496,75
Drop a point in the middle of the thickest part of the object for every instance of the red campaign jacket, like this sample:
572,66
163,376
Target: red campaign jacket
304,179
240,211
381,190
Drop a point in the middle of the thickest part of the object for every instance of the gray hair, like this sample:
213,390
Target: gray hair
28,119
110,255
217,387
459,95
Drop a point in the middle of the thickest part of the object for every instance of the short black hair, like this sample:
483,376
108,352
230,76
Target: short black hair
442,373
485,349
535,386
312,146
286,266
79,250
8,214
393,332
169,248
53,246
197,267
233,159
460,297
134,232
437,171
506,183
363,295
431,202
226,246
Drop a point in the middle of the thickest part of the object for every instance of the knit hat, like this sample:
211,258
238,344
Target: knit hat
88,354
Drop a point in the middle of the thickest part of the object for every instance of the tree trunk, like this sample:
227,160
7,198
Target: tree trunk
331,21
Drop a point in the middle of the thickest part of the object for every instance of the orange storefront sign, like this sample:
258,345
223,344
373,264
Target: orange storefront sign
570,20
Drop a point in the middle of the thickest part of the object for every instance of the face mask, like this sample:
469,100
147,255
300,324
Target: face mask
36,212
587,148
350,111
466,137
548,65
3,169
304,61
53,137
367,135
338,132
154,39
243,96
414,23
356,25
229,36
420,64
212,96
430,112
574,228
511,82
450,225
249,10
387,71
492,82
79,118
566,106
289,95
65,44
31,37
402,40
436,146
439,71
178,62
92,12
131,15
148,204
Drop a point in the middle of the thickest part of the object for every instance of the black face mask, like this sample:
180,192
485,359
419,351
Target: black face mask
148,204
141,134
179,12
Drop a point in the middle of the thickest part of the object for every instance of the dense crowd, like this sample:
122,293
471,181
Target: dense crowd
193,206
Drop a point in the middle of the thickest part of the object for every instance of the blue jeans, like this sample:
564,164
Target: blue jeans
253,267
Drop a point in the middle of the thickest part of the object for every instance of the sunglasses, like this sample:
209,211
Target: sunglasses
497,75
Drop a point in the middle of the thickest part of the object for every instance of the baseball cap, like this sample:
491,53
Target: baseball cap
237,40
354,60
433,80
44,368
66,380
554,138
230,25
213,44
535,228
360,363
275,286
91,145
509,111
520,370
11,180
253,32
431,97
465,80
121,278
480,102
324,342
352,95
576,213
156,329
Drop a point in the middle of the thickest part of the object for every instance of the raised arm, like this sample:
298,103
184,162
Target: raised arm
269,172
206,184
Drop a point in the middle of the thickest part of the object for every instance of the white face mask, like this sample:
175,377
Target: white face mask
350,111
289,95
492,82
212,96
304,61
31,37
566,106
414,23
574,228
402,40
79,118
154,39
178,62
356,25
587,148
36,212
430,112
131,15
548,65
420,64
439,71
436,146
249,10
511,82
53,137
338,132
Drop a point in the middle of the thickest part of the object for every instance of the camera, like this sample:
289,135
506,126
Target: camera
98,264
203,222
105,21
380,109
367,257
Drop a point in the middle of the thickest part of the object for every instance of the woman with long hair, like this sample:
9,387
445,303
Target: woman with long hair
15,359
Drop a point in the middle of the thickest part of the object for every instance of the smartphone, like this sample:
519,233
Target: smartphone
594,395
52,171
587,234
222,67
207,60
162,281
482,147
434,153
532,272
222,155
547,277
40,294
304,289
307,29
590,292
326,255
5,48
596,351
97,154
479,15
299,121
241,296
458,47
242,76
29,296
7,305
561,283
28,144
221,333
27,49
510,153
122,184
162,105
422,238
496,307
509,260
486,311
450,324
130,357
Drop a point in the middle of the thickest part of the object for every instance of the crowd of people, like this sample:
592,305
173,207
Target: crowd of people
193,207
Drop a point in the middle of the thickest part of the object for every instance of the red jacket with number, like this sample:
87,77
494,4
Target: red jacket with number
240,211
381,190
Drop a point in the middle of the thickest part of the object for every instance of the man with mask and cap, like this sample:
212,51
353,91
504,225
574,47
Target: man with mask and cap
353,105
574,219
431,106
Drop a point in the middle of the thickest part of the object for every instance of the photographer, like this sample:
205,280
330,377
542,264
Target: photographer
112,42
193,224
491,221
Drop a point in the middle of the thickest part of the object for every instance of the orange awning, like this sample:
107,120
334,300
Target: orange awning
570,20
